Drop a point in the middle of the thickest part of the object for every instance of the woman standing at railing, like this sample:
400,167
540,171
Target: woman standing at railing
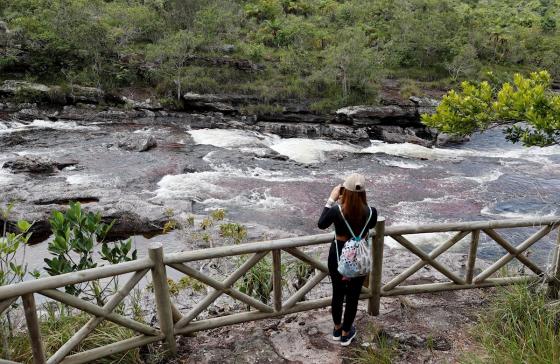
350,216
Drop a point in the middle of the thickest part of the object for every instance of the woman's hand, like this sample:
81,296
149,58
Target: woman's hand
335,193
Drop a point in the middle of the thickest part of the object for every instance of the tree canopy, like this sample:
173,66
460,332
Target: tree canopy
333,52
527,106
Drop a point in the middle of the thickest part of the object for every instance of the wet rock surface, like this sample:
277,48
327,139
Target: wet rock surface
37,165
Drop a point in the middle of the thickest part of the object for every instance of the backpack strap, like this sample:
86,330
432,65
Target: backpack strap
350,228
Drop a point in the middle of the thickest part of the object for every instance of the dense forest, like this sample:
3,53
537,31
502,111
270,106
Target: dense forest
333,53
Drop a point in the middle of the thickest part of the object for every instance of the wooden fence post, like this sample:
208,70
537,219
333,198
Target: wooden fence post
277,279
554,286
475,237
377,269
162,297
33,329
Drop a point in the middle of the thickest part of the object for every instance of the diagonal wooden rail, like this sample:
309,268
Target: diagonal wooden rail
172,322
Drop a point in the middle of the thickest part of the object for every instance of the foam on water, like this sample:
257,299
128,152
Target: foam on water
412,151
60,125
10,127
5,177
488,177
487,211
259,173
230,138
535,154
256,199
199,186
310,150
255,172
402,164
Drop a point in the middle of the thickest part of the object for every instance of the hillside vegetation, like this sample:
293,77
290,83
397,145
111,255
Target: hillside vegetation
333,53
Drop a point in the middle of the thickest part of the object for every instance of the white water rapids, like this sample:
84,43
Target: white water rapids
485,178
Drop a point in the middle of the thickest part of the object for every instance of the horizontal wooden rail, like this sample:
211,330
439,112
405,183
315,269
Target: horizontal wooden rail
247,248
20,289
470,226
448,286
172,322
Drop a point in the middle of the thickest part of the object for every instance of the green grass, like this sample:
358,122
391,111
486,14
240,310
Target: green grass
379,350
519,327
58,329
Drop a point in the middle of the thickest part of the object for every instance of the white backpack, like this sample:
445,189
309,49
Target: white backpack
355,258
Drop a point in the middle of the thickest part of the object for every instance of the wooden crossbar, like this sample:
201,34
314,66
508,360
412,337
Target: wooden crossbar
450,286
306,258
114,348
315,263
85,330
422,263
237,318
207,301
408,245
511,250
95,310
308,286
4,305
232,292
4,361
518,251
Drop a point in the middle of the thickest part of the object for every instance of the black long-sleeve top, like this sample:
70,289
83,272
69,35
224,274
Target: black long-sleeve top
332,215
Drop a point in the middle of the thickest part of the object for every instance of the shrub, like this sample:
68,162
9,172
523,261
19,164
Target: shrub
234,231
257,282
13,267
76,234
519,327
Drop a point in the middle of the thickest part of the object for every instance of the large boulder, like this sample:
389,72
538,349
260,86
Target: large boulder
36,165
88,95
138,143
376,112
40,92
148,104
11,87
425,105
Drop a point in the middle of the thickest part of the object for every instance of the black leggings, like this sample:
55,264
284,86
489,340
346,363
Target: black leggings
349,289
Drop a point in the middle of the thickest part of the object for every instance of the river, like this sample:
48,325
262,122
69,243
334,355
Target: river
484,178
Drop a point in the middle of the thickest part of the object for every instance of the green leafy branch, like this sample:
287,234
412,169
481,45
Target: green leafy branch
527,106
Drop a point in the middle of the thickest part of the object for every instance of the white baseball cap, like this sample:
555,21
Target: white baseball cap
355,182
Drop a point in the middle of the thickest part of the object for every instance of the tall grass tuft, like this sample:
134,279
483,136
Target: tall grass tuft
58,329
519,327
379,349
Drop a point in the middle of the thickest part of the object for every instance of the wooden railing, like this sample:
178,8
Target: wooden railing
172,322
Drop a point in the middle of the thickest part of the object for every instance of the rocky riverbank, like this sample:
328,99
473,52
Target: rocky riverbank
394,120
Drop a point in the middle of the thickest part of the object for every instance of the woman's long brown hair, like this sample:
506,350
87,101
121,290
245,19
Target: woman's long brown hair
354,208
